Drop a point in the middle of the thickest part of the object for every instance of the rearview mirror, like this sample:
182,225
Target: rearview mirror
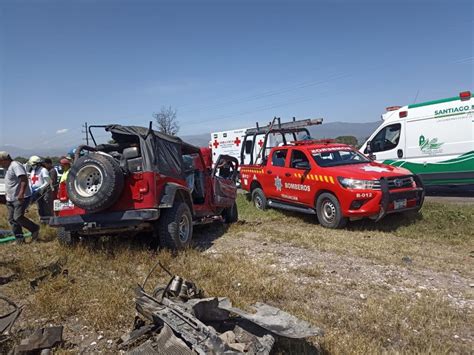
368,151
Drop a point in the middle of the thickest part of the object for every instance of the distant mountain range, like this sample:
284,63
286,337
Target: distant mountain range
327,130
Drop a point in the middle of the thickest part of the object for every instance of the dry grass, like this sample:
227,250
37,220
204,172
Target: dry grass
98,293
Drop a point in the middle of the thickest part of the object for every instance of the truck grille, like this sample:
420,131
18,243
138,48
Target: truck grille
402,182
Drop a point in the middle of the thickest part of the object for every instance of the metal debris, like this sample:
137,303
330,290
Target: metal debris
7,320
41,339
50,270
183,322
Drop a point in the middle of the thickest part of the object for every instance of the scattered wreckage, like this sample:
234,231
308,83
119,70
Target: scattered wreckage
178,319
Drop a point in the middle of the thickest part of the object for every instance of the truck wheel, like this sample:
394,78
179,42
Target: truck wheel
259,199
231,214
67,238
329,211
95,182
175,226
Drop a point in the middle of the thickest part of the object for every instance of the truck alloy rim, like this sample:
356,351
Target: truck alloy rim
329,210
258,202
88,181
184,229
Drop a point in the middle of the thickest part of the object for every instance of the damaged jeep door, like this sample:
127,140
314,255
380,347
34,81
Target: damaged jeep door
224,177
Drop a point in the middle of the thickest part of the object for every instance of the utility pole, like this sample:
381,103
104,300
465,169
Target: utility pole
86,131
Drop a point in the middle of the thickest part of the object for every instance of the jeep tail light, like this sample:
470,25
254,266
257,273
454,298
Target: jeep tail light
62,192
403,114
465,95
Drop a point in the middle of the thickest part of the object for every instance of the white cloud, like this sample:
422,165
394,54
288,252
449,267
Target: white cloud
62,130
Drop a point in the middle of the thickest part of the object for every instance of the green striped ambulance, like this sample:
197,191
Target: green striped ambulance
434,139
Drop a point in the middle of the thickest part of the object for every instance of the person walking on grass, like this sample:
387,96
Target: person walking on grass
18,195
40,184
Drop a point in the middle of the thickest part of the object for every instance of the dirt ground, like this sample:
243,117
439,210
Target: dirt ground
402,285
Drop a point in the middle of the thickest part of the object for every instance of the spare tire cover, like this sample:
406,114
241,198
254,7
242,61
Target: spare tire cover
95,182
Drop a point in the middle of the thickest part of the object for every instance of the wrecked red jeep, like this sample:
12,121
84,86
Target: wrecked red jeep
144,181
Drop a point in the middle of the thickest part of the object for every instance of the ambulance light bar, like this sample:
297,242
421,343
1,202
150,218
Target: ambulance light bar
465,95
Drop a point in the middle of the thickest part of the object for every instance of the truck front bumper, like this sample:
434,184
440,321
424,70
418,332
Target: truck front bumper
110,221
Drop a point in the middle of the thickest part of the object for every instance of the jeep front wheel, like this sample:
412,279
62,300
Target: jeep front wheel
230,214
329,211
259,199
175,226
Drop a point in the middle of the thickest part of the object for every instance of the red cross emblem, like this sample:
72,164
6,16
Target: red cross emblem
260,143
34,179
237,141
215,144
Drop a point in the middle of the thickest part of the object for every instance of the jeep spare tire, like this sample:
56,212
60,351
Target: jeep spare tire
95,182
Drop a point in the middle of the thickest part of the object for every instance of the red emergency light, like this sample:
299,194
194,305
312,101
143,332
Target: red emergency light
403,114
465,95
393,108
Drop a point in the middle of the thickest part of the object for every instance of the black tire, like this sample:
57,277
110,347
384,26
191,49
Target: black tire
67,238
95,182
329,211
259,200
231,214
171,224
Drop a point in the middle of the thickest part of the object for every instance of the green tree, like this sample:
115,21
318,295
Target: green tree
351,140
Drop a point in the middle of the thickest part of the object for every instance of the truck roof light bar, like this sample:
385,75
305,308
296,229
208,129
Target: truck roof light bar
393,108
465,95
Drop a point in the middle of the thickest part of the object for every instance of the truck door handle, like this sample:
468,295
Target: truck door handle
287,174
269,171
400,153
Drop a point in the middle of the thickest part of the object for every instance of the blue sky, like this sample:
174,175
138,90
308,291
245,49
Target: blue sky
222,64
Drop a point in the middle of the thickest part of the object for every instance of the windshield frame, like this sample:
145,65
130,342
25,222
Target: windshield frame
314,152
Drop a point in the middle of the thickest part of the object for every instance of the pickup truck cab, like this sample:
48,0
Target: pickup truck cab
332,180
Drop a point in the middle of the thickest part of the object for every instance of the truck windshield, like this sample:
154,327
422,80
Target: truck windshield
2,173
337,156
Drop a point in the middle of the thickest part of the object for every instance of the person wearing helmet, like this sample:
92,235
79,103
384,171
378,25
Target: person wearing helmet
18,194
40,185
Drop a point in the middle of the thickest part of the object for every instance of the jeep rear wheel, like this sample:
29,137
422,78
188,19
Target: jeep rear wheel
175,226
95,182
67,238
329,211
259,199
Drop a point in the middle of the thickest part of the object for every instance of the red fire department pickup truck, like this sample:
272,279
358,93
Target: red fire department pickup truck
332,180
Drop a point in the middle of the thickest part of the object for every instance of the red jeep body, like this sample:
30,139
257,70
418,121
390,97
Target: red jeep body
332,180
146,181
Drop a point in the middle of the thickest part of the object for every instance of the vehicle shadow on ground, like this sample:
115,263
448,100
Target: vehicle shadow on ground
389,223
203,239
205,235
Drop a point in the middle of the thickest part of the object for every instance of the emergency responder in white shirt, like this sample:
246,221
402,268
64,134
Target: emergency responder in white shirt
40,184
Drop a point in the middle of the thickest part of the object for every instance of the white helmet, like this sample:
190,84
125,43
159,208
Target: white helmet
35,160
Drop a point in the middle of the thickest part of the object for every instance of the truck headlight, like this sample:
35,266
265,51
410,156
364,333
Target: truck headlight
356,184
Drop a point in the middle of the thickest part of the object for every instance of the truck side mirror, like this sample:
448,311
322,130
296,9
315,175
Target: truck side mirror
368,150
303,165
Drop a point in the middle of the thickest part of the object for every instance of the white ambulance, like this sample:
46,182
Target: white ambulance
434,139
227,142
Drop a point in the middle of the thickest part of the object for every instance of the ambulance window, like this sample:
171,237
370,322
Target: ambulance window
387,138
297,156
279,157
